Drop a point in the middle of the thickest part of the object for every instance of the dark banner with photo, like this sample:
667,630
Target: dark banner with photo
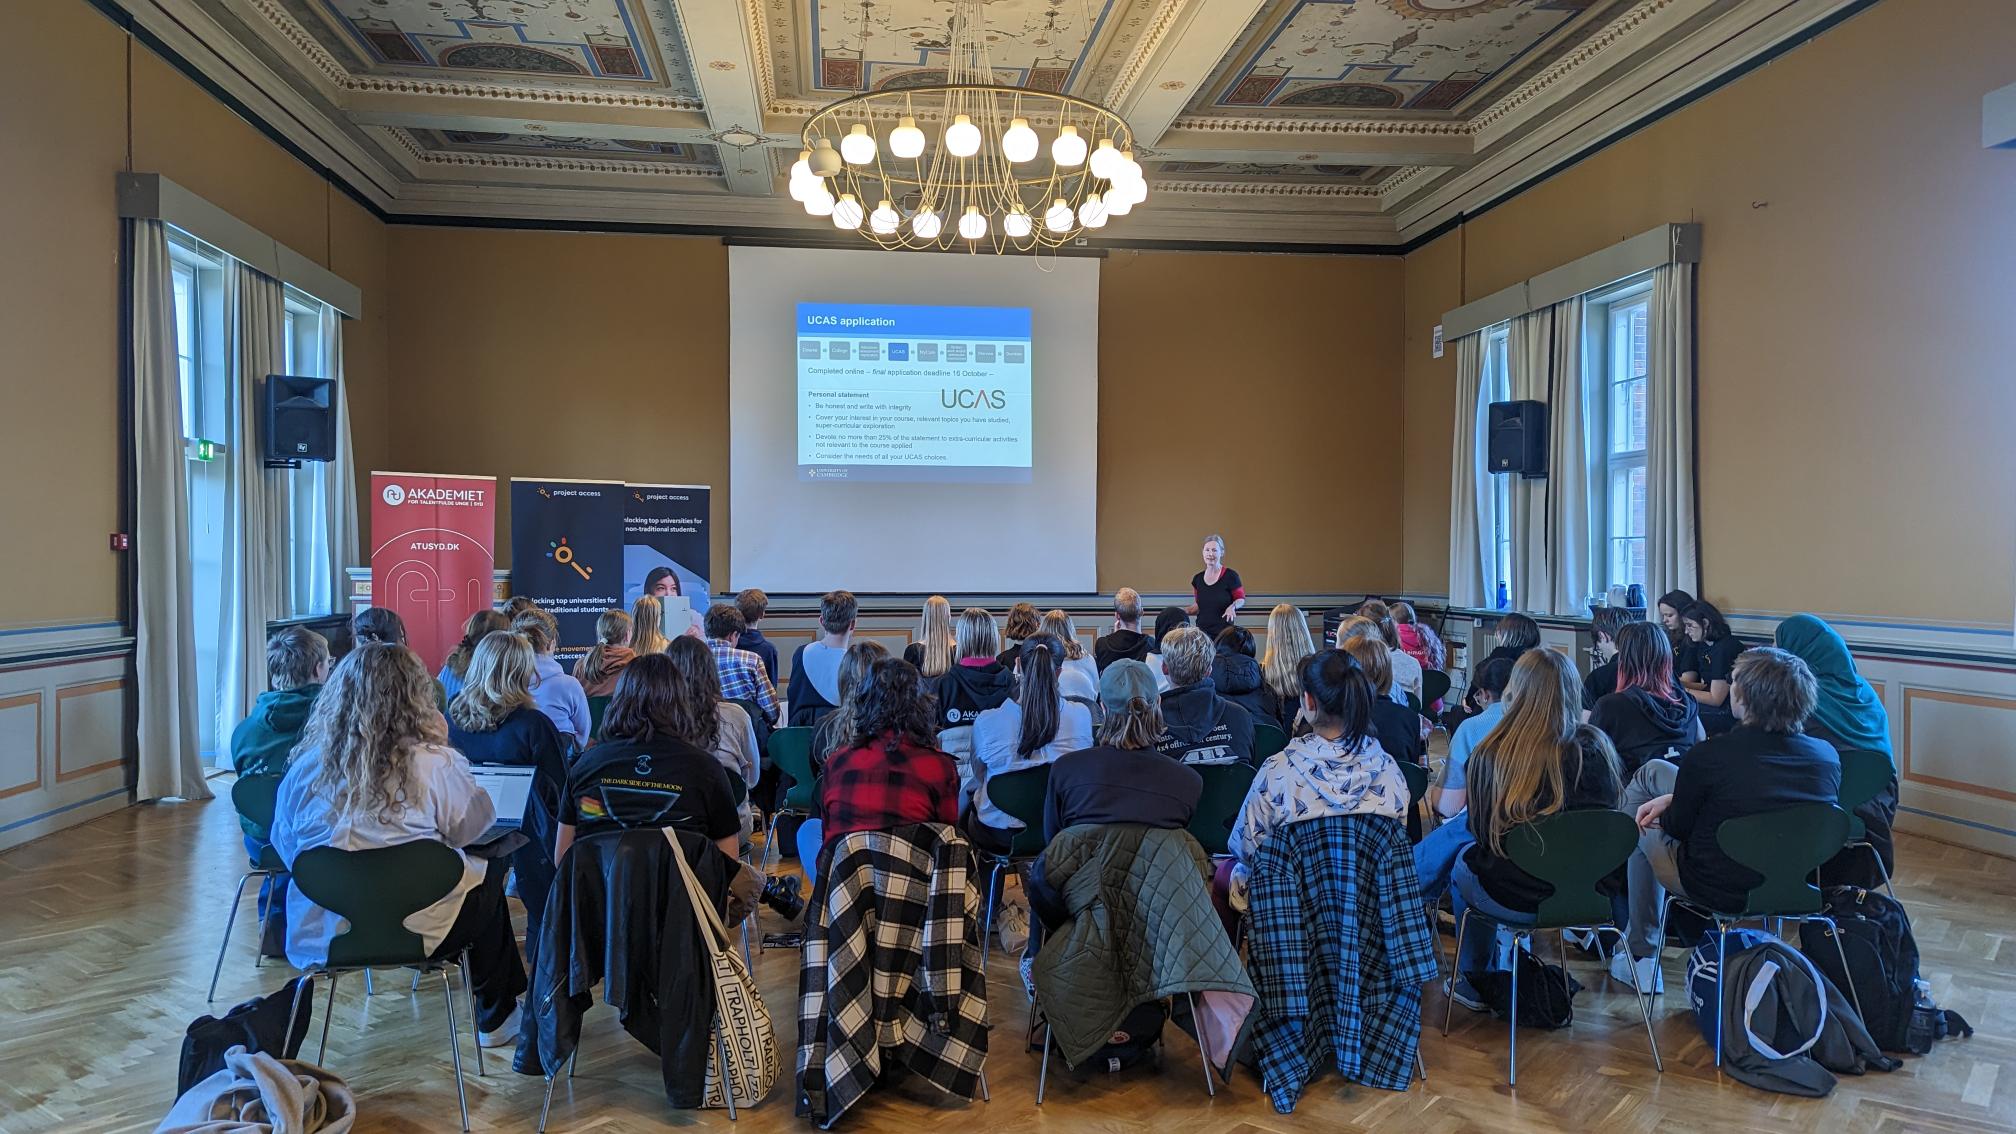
567,552
667,542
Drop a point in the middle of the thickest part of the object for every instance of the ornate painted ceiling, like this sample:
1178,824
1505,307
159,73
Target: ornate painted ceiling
1298,121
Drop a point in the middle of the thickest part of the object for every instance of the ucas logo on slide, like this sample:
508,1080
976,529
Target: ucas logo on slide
973,399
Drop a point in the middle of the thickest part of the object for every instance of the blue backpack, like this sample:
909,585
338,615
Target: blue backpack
1701,975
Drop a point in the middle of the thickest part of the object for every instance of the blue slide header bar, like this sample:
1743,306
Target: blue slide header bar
881,320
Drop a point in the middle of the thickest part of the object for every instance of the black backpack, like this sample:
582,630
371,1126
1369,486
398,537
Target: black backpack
1133,1041
1875,935
259,1024
1546,992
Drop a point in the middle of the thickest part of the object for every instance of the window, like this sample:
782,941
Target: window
1618,325
1497,387
198,274
309,584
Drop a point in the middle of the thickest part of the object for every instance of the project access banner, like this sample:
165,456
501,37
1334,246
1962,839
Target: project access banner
567,552
666,525
433,554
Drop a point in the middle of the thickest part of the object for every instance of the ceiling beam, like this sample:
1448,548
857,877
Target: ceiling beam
1332,148
724,53
1200,35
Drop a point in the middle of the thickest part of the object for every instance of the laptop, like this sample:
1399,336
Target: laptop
678,615
510,788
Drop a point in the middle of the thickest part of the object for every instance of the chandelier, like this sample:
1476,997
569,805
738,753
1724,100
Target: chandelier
983,178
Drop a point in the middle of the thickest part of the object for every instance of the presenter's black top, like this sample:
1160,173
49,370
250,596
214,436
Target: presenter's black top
1214,599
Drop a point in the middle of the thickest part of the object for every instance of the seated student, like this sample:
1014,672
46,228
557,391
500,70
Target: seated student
835,733
931,650
1024,622
477,627
1397,726
1406,671
978,682
755,605
647,626
599,668
889,773
517,605
1515,634
1288,642
1671,606
1168,619
1199,726
701,717
1766,764
1435,855
1418,640
1235,674
815,667
1850,716
297,663
1602,678
1539,760
1647,716
1336,768
1126,640
374,769
1124,779
645,773
1079,679
381,624
1035,728
740,672
1715,652
556,693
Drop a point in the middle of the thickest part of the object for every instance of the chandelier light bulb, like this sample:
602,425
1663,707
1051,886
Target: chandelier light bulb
802,180
820,203
1118,203
973,225
847,212
1060,217
1019,143
1092,211
824,162
884,219
962,137
858,147
1069,148
906,140
1106,161
1130,170
1017,223
925,224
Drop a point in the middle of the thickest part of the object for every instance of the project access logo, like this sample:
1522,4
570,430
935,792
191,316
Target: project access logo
561,553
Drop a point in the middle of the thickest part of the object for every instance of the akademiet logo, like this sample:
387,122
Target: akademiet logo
395,495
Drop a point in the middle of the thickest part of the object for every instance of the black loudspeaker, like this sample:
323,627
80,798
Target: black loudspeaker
300,418
1519,438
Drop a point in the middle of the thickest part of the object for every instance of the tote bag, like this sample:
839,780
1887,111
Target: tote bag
739,1012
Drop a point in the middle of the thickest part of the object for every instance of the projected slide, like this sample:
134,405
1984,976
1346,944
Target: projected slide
903,393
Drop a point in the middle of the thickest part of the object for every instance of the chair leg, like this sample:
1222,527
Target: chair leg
237,897
1881,872
1203,1053
1834,931
546,1108
370,989
328,1010
574,1063
1721,964
727,1070
455,1047
1420,1064
1043,1074
770,843
748,962
1512,1057
1455,963
1638,993
984,1096
469,998
1431,909
416,982
307,986
987,931
273,907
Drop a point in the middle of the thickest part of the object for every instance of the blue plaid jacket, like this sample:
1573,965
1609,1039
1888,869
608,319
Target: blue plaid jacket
1340,948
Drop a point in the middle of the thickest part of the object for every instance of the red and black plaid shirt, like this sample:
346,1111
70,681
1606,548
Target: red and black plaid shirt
874,789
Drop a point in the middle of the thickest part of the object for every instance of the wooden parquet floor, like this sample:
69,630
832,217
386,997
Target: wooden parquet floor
108,932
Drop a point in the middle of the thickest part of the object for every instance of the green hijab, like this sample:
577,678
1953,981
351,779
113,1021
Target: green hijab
1848,708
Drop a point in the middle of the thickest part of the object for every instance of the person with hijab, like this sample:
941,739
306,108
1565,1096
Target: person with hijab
1850,716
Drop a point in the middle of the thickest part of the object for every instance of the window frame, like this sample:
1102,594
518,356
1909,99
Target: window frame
1607,374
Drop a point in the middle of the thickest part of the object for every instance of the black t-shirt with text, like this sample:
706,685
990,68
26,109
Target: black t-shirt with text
622,784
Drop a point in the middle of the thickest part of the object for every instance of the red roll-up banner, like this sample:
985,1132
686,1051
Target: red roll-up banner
433,554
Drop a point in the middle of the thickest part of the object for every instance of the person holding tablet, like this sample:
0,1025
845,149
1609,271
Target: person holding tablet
1217,591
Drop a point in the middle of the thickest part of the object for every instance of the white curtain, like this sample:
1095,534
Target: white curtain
1473,563
164,651
1529,348
1672,550
256,509
1552,516
339,478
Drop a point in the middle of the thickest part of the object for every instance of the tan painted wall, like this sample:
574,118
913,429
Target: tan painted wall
629,330
1858,268
67,124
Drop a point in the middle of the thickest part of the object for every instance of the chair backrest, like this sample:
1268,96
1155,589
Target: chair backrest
791,751
1865,772
255,798
1414,703
376,891
1434,686
596,707
1417,781
738,788
1225,787
1571,851
1021,794
1784,846
1267,740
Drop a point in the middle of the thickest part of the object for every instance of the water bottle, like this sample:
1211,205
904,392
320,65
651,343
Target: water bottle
1635,597
1504,596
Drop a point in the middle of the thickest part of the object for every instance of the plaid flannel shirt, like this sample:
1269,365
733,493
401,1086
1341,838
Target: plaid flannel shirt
891,969
743,677
1339,951
872,788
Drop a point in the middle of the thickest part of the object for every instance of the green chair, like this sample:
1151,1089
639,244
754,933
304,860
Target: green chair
1784,848
1865,773
1020,794
1434,686
375,891
596,707
791,753
1267,740
1414,703
1571,851
1225,787
254,797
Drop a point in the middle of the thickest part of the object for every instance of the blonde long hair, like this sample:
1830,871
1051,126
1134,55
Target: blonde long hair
934,630
499,682
376,709
647,626
1059,624
1288,642
1523,769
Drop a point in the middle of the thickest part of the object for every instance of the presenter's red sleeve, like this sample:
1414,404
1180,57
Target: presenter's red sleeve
1238,594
